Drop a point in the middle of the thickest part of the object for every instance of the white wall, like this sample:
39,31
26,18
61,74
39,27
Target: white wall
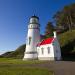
57,50
35,39
45,54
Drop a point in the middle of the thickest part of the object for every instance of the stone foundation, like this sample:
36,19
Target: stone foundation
30,58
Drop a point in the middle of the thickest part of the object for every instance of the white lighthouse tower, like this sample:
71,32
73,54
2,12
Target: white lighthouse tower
33,38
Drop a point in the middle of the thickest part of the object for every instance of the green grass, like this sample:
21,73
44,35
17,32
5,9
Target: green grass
19,67
12,70
19,61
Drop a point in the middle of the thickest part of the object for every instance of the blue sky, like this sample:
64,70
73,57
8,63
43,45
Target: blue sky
14,18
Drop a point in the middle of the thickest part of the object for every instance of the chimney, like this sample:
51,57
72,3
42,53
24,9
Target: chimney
55,35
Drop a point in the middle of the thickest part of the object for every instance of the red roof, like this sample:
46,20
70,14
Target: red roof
46,41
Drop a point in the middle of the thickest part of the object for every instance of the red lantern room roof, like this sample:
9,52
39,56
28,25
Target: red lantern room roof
46,41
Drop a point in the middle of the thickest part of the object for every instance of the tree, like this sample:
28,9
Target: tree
49,29
65,18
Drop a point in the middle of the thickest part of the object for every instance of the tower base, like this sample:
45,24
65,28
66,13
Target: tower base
30,56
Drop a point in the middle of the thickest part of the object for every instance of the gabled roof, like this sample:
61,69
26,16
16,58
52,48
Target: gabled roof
46,41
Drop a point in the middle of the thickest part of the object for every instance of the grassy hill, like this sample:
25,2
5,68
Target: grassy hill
18,53
67,42
66,38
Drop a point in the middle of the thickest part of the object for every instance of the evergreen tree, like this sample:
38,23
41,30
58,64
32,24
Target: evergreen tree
65,18
49,30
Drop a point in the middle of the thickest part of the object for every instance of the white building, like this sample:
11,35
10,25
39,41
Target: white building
47,49
33,38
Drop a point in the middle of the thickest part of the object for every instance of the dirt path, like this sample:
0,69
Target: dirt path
59,67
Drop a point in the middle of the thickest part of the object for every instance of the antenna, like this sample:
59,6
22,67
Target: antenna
34,12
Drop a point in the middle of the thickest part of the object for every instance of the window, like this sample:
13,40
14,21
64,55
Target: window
42,49
34,20
38,51
56,51
48,48
31,26
29,40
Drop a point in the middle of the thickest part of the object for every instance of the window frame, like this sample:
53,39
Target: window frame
48,48
42,51
29,40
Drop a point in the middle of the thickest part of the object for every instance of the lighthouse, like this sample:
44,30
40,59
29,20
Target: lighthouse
33,38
